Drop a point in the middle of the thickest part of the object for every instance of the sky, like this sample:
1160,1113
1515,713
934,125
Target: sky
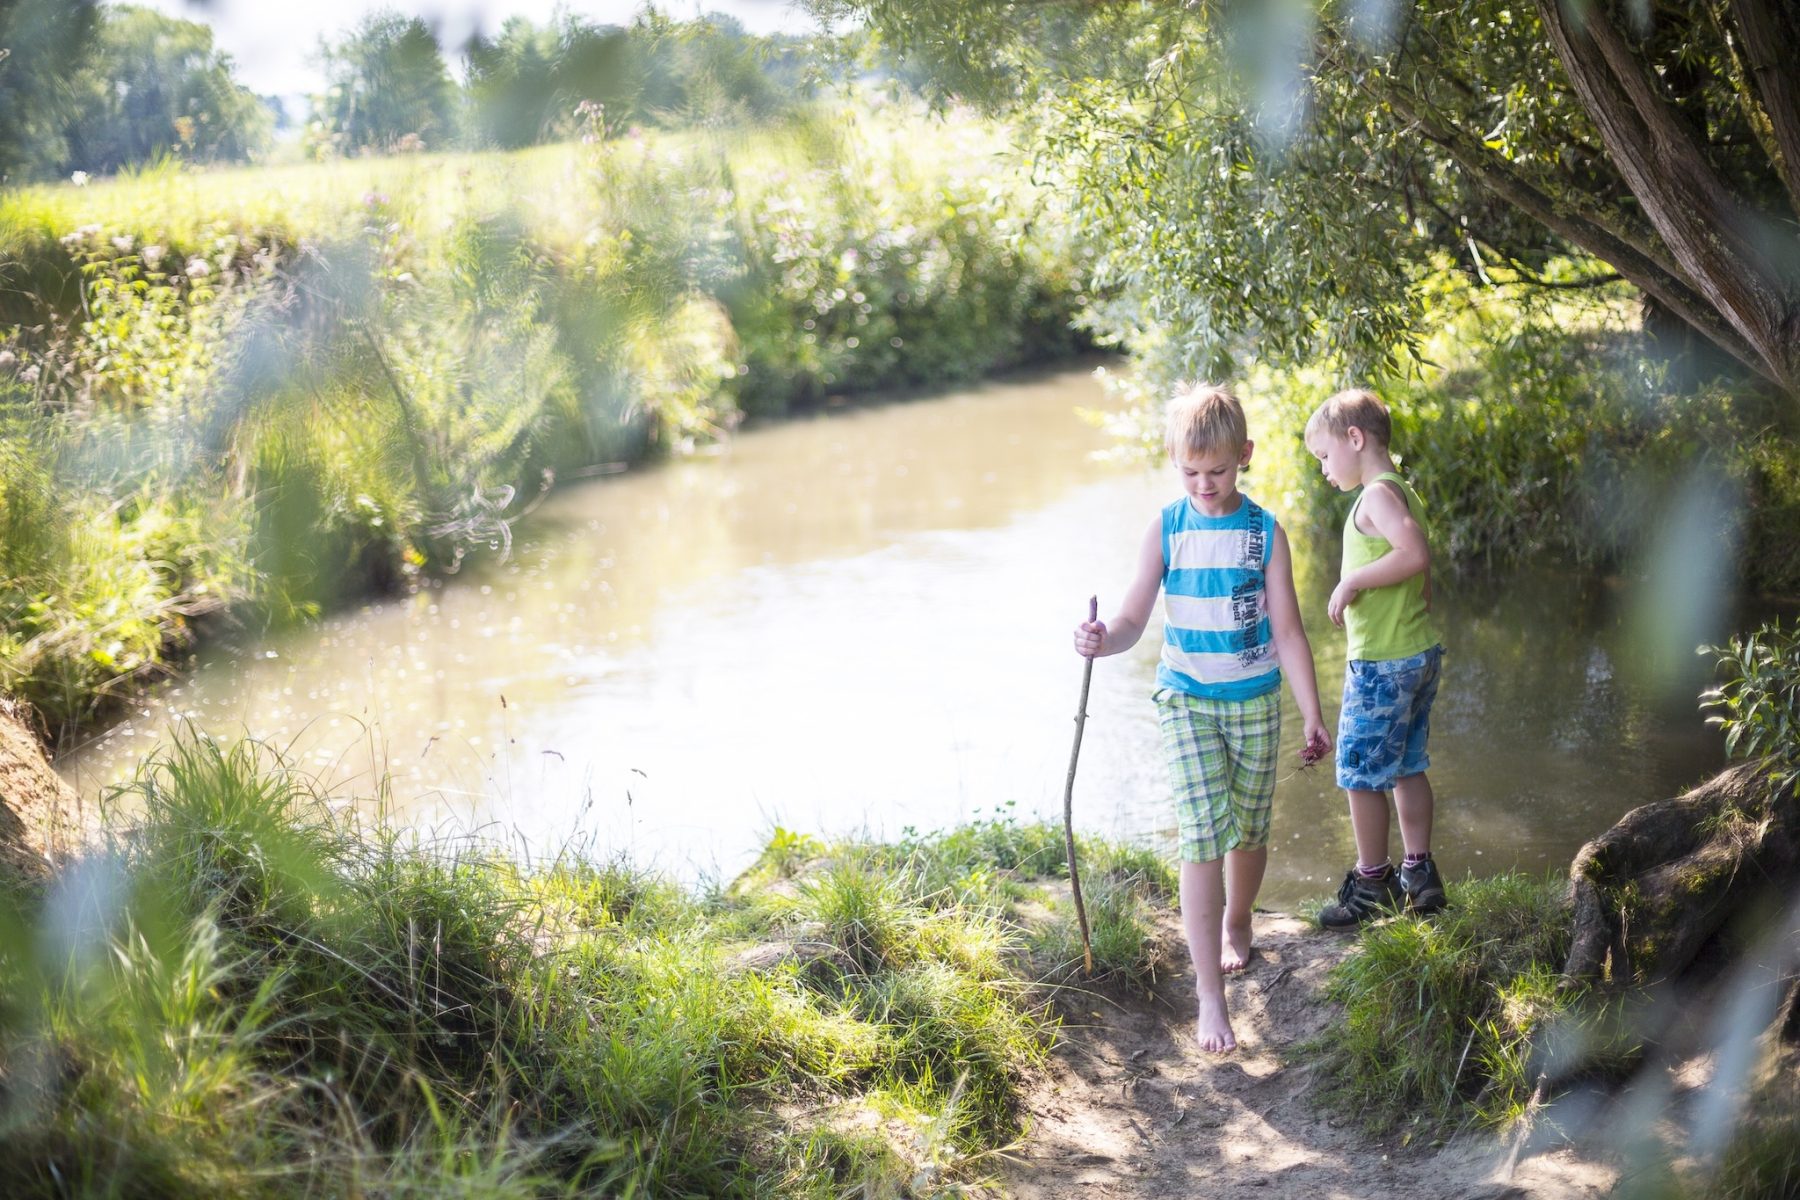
274,45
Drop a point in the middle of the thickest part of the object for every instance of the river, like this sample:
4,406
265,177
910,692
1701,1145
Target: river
857,623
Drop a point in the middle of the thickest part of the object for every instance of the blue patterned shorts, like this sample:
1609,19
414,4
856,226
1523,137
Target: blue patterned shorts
1385,720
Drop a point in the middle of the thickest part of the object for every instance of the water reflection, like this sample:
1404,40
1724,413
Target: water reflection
860,622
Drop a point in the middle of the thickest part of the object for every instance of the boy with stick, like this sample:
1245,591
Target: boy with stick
1232,628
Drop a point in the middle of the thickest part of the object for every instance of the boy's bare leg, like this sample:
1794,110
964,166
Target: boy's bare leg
1369,822
1202,907
1243,876
1415,804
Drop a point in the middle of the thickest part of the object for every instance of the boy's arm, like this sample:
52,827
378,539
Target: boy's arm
1096,639
1408,552
1292,649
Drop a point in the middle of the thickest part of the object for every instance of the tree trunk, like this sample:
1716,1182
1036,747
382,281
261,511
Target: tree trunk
1649,893
1737,258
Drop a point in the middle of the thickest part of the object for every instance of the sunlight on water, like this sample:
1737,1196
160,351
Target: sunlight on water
860,622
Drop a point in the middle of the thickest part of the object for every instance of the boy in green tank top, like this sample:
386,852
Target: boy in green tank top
1383,602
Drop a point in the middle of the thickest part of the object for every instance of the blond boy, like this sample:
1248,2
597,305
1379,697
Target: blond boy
1383,602
1232,628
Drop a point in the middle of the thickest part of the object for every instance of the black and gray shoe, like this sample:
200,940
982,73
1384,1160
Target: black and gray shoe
1423,887
1363,899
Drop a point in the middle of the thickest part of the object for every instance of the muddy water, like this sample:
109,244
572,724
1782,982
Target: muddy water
859,623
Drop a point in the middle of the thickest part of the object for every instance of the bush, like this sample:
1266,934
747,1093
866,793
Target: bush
1537,426
1758,704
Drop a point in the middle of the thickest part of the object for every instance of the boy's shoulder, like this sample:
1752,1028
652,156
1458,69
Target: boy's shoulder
1391,488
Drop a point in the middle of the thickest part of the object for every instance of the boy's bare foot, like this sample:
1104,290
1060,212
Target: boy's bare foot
1213,1027
1235,947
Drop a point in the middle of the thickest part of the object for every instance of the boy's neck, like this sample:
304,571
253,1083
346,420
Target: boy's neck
1376,461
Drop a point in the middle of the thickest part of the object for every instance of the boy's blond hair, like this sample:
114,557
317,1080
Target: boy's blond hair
1353,407
1203,417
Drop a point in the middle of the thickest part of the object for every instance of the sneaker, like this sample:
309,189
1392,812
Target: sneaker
1423,887
1362,899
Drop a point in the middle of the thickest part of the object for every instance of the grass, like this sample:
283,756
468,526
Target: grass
1453,1020
245,993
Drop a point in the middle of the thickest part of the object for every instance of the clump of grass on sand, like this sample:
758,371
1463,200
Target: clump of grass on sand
1447,1021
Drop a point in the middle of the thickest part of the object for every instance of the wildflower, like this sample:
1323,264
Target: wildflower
79,178
152,256
123,243
198,268
7,358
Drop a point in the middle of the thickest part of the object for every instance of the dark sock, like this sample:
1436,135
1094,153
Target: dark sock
1376,872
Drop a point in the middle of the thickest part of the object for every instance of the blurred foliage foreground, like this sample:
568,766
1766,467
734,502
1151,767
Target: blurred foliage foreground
244,993
265,391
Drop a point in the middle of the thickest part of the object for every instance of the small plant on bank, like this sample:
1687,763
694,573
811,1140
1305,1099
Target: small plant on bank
1758,704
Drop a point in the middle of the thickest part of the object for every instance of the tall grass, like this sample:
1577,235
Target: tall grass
294,386
249,993
1451,1020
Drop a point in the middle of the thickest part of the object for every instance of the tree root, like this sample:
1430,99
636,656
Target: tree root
1649,893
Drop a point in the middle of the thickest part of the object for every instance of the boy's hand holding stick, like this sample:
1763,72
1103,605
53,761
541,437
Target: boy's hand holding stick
1087,674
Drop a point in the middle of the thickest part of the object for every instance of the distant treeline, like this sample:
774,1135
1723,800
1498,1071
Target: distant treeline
94,88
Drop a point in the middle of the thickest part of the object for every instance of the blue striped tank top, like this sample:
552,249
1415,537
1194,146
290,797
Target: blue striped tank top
1216,640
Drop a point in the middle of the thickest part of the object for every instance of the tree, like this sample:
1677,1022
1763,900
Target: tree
524,86
702,71
1287,172
388,86
155,85
42,45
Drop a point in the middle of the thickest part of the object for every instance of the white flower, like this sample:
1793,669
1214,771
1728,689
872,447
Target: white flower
123,243
79,178
198,268
152,256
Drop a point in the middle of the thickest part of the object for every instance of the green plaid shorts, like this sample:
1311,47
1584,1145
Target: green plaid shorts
1222,765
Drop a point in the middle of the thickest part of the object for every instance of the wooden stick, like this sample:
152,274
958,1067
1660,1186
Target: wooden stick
1087,675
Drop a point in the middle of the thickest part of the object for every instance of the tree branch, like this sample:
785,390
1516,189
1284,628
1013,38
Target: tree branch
1712,236
1770,38
1636,264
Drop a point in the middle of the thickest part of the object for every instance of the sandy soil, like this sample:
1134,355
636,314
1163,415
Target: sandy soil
42,820
1130,1107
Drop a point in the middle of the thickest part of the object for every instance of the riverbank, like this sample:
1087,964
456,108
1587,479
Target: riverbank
339,1005
252,397
1128,1107
342,1007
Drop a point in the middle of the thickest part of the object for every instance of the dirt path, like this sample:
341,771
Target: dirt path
1129,1107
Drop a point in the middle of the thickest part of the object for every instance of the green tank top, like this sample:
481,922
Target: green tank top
1386,622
